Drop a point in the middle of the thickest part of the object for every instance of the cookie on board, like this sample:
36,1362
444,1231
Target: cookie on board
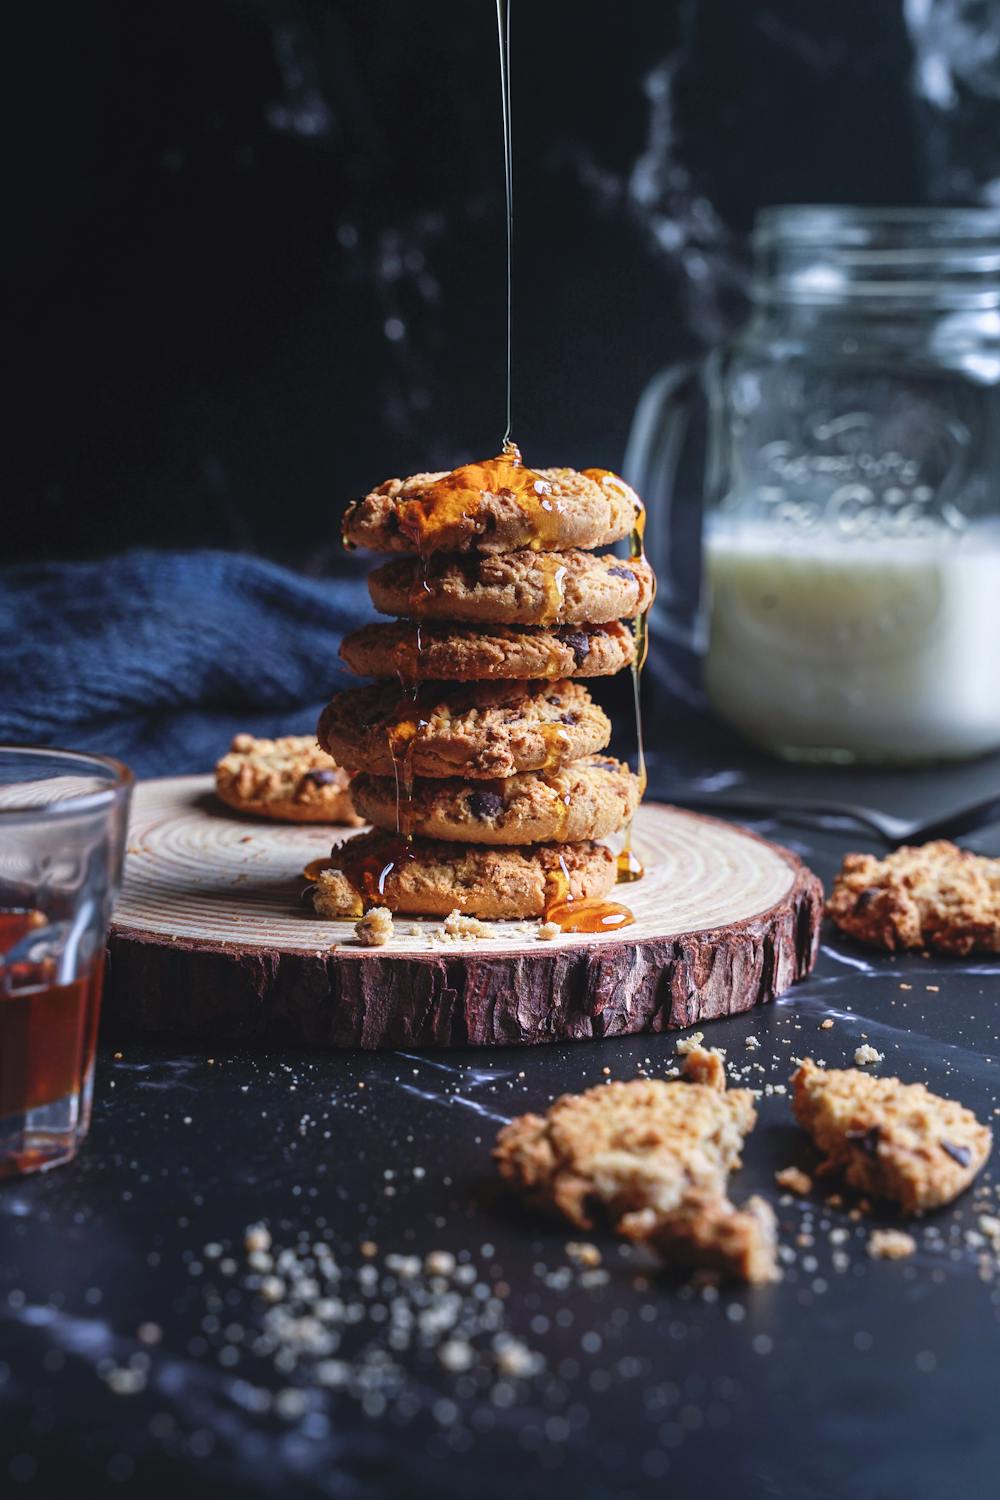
454,653
590,799
554,510
478,730
428,878
516,588
290,780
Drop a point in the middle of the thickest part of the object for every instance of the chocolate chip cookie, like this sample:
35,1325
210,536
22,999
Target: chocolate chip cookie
561,508
453,653
483,730
427,878
516,588
890,1139
290,779
589,799
933,896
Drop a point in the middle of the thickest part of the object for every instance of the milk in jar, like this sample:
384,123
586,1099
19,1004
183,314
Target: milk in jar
816,644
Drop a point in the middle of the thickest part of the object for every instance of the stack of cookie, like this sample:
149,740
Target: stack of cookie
477,750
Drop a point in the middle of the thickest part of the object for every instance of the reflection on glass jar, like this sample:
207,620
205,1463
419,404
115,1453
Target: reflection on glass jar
852,505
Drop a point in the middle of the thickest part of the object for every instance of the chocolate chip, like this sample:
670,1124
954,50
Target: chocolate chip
578,642
568,718
865,1140
961,1154
866,898
617,572
485,804
320,778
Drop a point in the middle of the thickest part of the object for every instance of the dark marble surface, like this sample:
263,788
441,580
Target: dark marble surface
852,1377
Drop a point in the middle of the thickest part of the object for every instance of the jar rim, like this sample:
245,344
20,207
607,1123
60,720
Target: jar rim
921,256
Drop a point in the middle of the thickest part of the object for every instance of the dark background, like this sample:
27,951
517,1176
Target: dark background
258,244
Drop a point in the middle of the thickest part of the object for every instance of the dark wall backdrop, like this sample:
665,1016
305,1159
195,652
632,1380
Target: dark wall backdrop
258,244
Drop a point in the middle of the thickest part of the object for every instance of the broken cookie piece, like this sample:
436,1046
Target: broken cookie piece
708,1233
622,1147
890,1139
653,1158
932,896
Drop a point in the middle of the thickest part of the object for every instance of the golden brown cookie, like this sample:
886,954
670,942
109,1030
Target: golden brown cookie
515,588
291,780
482,730
890,1139
494,506
623,1148
589,799
431,879
933,896
456,653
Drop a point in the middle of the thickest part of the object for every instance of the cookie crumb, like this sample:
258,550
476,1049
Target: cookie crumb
583,1253
706,1065
890,1244
751,1043
458,926
689,1043
794,1180
826,1025
549,930
375,928
868,1054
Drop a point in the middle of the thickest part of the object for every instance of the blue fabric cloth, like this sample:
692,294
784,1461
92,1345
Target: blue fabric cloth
159,658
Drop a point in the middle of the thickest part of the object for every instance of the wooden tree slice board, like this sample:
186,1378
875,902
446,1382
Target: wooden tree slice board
211,937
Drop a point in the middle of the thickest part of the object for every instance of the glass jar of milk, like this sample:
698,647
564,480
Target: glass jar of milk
851,536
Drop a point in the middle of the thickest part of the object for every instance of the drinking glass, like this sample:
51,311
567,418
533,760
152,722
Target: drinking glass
63,816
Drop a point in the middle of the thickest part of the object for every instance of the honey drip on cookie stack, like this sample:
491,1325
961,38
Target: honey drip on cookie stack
477,752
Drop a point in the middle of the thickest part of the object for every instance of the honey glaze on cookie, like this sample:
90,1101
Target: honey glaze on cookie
369,869
584,914
553,582
437,520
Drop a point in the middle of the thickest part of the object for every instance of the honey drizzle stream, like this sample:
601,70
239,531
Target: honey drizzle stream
629,866
503,33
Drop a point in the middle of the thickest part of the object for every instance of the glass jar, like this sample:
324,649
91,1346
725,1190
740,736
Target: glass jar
851,490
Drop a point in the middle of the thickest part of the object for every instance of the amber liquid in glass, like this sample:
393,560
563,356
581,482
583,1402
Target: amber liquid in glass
48,1031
